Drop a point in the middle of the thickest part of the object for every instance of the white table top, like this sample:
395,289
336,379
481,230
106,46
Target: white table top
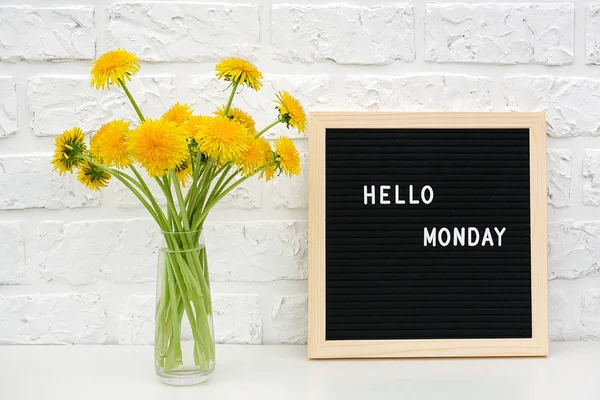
571,372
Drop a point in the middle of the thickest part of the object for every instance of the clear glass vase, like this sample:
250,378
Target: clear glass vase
184,346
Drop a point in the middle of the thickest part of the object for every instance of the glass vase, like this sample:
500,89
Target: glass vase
184,347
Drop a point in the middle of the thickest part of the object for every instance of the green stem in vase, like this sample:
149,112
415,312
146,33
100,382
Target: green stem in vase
187,264
172,359
190,296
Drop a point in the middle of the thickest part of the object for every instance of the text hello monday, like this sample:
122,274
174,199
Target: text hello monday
454,236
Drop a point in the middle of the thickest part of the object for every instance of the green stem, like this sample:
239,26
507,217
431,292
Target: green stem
224,192
199,194
182,209
164,329
174,216
148,193
182,284
224,173
216,189
220,184
133,103
121,177
228,105
188,236
193,191
259,134
200,220
185,226
198,163
191,293
196,173
172,361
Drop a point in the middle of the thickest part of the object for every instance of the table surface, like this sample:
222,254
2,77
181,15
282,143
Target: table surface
571,372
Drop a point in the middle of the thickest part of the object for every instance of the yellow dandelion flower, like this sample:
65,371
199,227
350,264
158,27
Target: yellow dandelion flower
113,66
239,70
93,176
240,116
254,156
158,146
287,156
109,144
222,138
184,172
268,173
178,114
269,157
68,150
193,124
290,111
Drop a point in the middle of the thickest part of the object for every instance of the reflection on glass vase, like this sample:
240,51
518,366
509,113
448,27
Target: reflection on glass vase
184,346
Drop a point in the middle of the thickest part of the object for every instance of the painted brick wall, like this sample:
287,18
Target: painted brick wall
79,267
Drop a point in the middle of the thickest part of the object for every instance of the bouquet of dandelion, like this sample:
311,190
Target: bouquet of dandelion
195,160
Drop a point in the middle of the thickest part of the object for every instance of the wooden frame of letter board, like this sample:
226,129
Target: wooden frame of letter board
319,347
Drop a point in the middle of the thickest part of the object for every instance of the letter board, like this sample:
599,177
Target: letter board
427,235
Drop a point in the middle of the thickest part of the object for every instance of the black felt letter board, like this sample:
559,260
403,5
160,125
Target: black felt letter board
382,281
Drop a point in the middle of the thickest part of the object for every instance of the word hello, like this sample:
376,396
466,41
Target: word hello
370,195
462,237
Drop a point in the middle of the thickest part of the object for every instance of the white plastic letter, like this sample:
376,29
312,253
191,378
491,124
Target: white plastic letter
425,189
444,242
397,196
473,242
370,194
459,236
383,194
487,237
428,237
410,195
500,233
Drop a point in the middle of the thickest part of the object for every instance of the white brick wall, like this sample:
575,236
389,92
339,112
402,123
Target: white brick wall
12,253
27,181
558,165
67,100
58,282
8,107
47,33
183,31
500,33
346,34
420,92
61,318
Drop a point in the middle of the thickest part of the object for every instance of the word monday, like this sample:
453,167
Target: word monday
455,236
